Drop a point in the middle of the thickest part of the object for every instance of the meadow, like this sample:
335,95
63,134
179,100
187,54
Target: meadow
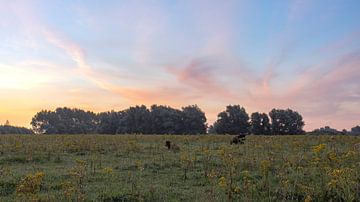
202,168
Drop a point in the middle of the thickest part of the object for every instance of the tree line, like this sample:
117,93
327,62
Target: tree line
159,119
327,130
8,129
134,120
235,120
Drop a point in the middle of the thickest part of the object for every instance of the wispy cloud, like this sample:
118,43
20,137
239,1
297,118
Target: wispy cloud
320,91
199,74
209,70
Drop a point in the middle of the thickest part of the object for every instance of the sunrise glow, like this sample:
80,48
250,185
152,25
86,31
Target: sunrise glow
104,55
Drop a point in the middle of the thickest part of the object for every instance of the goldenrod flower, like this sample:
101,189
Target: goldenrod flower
308,198
108,170
237,189
318,148
222,182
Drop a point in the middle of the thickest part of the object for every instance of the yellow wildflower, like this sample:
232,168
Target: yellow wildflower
108,170
318,148
237,189
222,182
332,156
308,198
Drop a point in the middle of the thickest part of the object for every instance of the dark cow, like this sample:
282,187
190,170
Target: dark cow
239,139
172,146
168,144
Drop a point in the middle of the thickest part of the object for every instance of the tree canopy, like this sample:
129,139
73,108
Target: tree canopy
166,120
161,119
355,130
260,124
8,129
286,122
194,120
109,122
134,120
234,120
327,130
65,121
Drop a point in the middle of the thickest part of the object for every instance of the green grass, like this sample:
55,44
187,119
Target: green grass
140,168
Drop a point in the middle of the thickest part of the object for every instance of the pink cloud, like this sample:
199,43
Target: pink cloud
199,75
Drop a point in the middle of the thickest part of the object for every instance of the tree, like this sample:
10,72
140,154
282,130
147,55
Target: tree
260,124
65,121
286,122
75,121
355,130
166,120
234,120
44,122
135,120
194,120
7,129
109,122
327,130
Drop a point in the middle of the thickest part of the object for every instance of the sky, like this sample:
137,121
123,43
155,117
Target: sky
104,55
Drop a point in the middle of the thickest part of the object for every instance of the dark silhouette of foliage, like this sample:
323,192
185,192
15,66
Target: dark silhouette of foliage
166,120
135,120
8,129
194,120
65,121
260,124
45,122
109,122
234,120
161,119
355,130
326,131
286,122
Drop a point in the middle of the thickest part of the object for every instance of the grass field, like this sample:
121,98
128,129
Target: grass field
205,168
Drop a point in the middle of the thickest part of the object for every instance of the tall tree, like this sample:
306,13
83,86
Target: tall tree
135,120
286,122
44,122
260,124
109,122
65,121
75,121
234,120
166,120
194,120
